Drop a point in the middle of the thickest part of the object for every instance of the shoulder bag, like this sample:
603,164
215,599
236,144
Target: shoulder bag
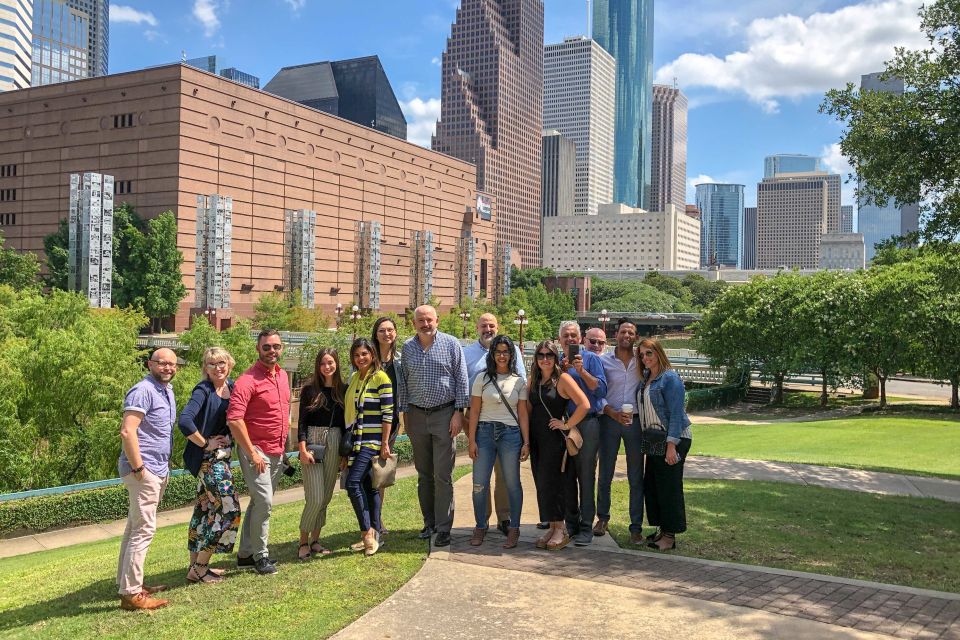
317,448
572,437
653,440
383,473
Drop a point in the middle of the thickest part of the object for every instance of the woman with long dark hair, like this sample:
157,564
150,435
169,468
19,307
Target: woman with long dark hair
553,473
662,416
498,429
369,418
384,335
318,436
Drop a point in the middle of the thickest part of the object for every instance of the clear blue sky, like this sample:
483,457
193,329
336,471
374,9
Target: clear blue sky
754,70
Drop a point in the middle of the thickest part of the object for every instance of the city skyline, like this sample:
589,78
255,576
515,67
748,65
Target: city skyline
734,122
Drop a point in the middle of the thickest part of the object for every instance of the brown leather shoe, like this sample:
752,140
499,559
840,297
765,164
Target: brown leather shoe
600,528
636,537
156,589
513,537
477,538
141,600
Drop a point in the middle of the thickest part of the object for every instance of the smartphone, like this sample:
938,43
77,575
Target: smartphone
573,351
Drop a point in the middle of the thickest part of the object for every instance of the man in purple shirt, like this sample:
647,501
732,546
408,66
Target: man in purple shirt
146,435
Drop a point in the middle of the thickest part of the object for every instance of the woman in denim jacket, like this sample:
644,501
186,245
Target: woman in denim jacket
660,397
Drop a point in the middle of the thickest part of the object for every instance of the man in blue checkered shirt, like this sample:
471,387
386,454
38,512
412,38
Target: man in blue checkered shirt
432,392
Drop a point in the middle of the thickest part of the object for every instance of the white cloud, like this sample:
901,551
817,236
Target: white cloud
422,116
692,185
296,5
835,162
436,60
790,57
205,11
121,13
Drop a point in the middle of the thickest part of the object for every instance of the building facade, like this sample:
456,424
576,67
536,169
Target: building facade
721,217
357,90
878,223
174,133
71,40
790,163
557,175
622,238
625,29
668,177
846,218
793,212
842,251
579,93
491,110
16,24
749,256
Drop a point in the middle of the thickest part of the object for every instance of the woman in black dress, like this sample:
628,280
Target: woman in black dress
550,392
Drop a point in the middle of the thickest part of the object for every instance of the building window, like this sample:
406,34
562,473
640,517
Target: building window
8,219
122,121
8,195
124,186
8,171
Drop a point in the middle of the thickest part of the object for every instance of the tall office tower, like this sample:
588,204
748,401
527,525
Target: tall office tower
71,40
625,29
491,110
16,21
880,223
721,219
793,212
357,90
668,180
846,218
579,93
749,259
557,175
790,163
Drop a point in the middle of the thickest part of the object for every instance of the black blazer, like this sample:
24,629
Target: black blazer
198,415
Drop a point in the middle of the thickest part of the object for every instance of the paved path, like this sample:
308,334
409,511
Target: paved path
604,591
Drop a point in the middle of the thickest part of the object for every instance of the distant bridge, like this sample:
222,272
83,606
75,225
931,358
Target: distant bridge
641,319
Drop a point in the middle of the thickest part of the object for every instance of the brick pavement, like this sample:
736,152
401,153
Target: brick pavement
888,609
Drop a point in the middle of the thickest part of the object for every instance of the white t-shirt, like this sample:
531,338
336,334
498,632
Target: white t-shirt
492,408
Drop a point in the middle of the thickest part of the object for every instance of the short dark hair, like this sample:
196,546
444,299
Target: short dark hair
266,333
623,321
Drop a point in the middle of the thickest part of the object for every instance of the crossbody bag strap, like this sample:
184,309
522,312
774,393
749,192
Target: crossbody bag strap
504,398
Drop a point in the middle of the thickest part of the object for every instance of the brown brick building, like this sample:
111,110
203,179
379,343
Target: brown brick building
171,133
492,110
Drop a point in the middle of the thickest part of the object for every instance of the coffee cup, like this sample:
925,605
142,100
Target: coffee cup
626,408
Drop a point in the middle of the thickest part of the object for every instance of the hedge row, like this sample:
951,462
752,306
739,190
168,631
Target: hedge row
32,515
715,397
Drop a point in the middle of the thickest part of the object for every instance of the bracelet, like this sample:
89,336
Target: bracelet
137,470
206,441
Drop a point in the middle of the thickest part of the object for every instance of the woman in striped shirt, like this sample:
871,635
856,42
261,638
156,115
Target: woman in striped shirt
369,417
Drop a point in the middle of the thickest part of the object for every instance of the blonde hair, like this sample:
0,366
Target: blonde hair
216,353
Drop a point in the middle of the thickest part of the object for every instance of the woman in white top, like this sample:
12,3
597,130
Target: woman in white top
498,428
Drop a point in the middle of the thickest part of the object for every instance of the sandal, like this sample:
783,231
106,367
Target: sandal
556,546
358,546
318,549
666,537
194,576
303,557
371,544
544,539
653,537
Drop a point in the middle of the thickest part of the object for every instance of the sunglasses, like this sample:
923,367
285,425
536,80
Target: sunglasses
595,341
274,347
647,353
546,356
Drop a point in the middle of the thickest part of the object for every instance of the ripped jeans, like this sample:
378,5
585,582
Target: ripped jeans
497,439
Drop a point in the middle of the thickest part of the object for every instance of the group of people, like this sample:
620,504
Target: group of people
569,416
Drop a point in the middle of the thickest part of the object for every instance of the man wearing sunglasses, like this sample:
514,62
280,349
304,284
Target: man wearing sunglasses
259,420
595,340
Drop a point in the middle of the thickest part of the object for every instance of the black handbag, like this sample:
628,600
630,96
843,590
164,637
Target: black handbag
318,451
653,442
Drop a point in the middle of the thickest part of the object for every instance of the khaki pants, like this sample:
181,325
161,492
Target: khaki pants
255,530
144,495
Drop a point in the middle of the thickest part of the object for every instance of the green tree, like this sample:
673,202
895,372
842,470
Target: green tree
903,146
18,269
529,278
632,296
939,320
702,291
668,285
56,247
156,263
285,312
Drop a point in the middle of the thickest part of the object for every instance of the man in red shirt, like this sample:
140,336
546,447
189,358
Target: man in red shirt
259,419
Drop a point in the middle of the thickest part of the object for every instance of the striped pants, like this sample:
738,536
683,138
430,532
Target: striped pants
319,481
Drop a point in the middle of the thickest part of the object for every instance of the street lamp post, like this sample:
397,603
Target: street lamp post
521,320
355,315
211,316
464,315
339,312
604,317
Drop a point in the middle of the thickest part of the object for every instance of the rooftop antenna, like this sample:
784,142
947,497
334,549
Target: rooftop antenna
674,82
183,55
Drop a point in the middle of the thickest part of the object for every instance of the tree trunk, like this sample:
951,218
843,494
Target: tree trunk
883,390
823,389
778,388
954,396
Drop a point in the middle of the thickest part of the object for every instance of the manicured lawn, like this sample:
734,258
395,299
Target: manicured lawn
902,444
805,403
70,592
898,540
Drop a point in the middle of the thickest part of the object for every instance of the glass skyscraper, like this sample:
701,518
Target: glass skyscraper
790,163
70,40
625,29
721,220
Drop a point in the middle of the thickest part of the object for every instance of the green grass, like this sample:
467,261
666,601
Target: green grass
70,592
925,445
797,404
898,540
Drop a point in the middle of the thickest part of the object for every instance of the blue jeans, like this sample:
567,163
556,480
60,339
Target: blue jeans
611,432
495,439
365,499
581,519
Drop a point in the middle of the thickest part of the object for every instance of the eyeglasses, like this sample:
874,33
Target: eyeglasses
217,365
647,353
267,346
546,355
164,363
595,341
499,352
